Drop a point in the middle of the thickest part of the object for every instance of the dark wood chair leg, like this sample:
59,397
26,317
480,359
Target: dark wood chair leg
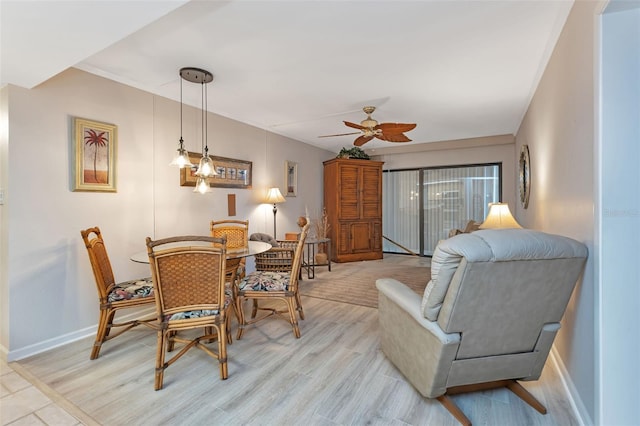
526,396
453,409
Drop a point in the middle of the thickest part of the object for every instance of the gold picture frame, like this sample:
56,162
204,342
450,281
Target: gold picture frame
291,178
95,155
232,173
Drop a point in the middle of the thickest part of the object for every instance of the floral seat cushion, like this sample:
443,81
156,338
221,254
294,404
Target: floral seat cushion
134,289
265,281
200,312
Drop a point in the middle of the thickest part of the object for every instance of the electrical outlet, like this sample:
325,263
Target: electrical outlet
1,196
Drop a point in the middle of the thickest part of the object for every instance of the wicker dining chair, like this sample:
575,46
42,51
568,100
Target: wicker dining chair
114,296
189,287
275,284
237,234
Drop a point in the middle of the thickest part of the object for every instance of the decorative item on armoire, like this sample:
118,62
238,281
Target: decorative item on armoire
353,152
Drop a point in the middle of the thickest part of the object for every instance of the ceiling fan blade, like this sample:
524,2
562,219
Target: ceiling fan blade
361,140
339,134
354,125
395,127
393,137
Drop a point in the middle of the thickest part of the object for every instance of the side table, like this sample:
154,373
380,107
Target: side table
309,261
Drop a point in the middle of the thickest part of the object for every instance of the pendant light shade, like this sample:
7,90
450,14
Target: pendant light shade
205,166
182,157
202,186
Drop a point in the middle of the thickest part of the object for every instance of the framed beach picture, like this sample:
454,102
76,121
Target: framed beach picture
291,178
231,173
95,155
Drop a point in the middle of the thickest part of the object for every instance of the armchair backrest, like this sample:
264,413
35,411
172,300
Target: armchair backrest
503,290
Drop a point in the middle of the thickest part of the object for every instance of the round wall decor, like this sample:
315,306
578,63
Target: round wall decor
524,176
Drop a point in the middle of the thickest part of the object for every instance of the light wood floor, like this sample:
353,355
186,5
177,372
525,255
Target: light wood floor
335,374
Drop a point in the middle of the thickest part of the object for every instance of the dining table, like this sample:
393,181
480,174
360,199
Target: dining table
252,249
234,257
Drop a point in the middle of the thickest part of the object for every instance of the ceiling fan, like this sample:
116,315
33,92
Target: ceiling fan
370,128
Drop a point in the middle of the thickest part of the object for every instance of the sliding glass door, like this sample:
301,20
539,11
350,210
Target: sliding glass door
422,206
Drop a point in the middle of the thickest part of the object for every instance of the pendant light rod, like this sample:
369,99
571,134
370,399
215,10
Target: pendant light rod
181,158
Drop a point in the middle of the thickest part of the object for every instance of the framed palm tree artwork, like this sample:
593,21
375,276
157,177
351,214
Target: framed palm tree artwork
95,152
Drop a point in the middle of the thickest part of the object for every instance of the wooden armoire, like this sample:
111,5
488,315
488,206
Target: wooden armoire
353,199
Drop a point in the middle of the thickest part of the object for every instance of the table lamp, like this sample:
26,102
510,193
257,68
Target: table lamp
274,196
499,217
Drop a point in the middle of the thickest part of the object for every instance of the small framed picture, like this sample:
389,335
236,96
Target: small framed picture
95,155
291,178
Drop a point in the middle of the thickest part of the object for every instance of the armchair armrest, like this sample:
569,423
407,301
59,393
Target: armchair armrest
409,301
416,346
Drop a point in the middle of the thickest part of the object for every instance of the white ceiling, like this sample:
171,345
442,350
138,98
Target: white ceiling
459,69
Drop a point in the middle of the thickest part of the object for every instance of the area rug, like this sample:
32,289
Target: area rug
355,282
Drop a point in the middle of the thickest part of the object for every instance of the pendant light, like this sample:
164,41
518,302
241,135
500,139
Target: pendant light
205,168
182,156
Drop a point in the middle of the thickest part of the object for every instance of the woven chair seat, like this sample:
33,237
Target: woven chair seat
265,281
134,289
199,313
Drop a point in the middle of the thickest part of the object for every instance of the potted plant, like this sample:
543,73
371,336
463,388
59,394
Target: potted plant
355,152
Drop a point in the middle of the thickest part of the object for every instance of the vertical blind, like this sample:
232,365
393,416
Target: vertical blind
451,197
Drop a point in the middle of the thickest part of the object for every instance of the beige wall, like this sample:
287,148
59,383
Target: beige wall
46,277
559,128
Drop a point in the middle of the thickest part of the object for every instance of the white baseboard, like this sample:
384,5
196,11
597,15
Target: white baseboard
580,411
64,339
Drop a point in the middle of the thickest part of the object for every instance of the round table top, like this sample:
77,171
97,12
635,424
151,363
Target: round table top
255,247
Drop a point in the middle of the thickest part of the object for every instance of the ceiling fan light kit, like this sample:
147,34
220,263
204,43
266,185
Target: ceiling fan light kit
369,128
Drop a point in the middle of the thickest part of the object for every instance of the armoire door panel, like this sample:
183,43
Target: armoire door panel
360,237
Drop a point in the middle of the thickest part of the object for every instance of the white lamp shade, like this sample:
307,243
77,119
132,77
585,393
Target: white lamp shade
274,196
499,217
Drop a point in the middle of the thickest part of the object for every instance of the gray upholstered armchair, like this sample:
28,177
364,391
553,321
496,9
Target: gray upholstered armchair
488,316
